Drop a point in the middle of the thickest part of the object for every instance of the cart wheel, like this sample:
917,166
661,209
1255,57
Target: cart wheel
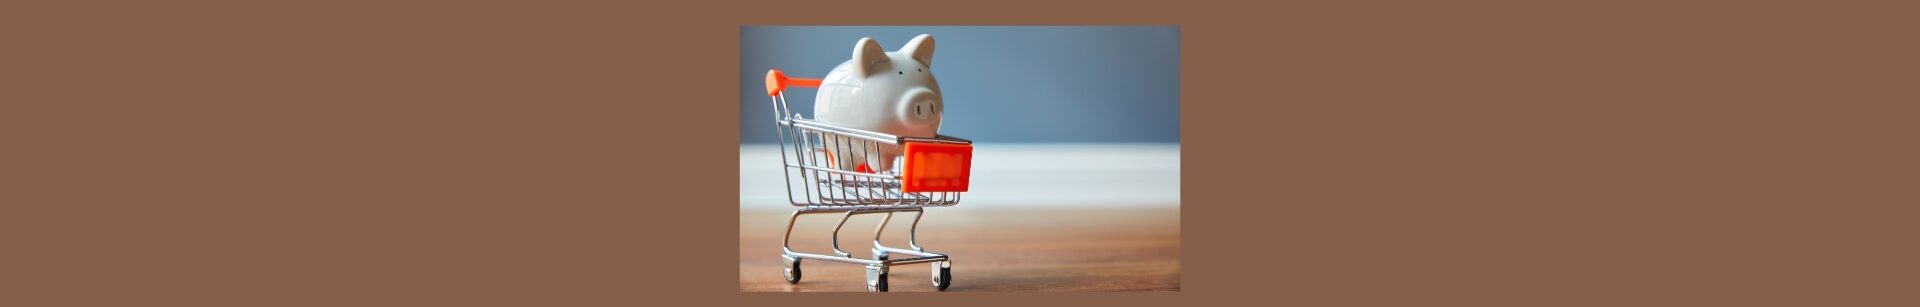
942,276
793,270
877,279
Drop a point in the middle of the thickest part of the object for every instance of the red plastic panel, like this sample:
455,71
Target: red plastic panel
936,167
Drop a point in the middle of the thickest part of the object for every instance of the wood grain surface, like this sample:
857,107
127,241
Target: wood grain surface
992,250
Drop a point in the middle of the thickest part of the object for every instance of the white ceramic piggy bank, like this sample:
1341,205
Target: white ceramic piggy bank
886,92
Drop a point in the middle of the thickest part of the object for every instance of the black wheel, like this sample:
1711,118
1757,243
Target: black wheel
942,277
793,271
880,286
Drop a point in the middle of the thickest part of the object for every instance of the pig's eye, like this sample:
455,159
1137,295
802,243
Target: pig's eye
917,69
902,72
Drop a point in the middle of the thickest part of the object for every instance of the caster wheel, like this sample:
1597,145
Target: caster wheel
942,277
877,280
793,271
878,285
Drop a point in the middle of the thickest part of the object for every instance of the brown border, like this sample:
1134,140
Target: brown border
1416,153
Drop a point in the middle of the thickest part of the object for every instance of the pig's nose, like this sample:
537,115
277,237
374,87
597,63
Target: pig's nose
922,105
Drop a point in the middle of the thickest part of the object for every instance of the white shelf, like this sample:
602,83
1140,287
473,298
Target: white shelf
1023,175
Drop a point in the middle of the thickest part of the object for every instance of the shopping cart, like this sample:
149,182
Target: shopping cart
931,172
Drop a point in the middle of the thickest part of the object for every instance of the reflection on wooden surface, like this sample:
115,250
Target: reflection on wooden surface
993,250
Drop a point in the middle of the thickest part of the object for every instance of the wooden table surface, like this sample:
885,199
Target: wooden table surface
992,250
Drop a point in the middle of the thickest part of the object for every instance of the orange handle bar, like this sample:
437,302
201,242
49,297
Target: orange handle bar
778,81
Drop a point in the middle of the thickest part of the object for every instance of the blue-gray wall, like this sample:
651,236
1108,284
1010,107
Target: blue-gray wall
1001,84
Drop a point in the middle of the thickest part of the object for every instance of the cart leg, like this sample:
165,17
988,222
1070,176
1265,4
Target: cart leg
784,245
877,278
942,275
913,232
879,254
836,234
792,272
793,269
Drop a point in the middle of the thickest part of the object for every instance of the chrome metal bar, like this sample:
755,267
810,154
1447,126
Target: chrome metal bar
863,209
937,139
785,176
913,232
893,262
910,252
879,230
879,251
823,158
836,234
875,136
841,172
784,245
890,262
815,127
835,259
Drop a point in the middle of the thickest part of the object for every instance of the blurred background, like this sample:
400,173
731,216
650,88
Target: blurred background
1076,166
1061,116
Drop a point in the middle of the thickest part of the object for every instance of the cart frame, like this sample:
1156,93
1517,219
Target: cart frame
817,184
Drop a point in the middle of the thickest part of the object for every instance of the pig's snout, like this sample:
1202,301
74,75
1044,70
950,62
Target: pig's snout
919,107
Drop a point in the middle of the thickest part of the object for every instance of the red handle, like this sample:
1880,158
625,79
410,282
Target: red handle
777,81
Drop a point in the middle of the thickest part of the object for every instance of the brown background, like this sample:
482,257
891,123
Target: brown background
559,154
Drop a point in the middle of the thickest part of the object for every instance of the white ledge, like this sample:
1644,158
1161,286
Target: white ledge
1020,175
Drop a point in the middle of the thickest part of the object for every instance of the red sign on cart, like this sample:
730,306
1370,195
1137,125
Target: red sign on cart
936,167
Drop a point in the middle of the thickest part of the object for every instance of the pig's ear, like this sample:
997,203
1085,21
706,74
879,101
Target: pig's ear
920,48
867,56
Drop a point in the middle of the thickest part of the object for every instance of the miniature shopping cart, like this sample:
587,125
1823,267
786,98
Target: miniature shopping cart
931,172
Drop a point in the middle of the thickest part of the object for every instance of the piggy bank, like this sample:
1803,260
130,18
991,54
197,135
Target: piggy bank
880,91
